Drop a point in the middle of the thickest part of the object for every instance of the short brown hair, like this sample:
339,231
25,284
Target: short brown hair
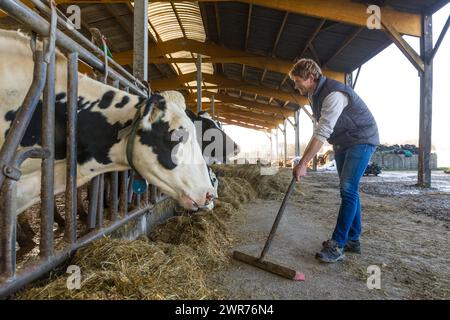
304,67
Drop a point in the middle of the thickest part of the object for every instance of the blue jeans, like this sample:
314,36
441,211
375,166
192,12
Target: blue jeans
351,164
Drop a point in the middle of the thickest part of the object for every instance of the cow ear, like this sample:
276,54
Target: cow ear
153,111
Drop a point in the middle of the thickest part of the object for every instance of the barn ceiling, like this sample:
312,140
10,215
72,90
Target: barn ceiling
247,47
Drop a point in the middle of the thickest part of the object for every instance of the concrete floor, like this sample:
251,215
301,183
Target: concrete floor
410,249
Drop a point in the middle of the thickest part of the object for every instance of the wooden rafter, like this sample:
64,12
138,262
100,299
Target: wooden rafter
218,54
223,82
275,45
345,11
344,45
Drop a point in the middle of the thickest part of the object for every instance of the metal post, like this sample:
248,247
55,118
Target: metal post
426,103
199,83
140,40
315,156
70,235
212,108
297,132
93,201
100,206
8,228
271,147
285,142
276,147
47,166
123,207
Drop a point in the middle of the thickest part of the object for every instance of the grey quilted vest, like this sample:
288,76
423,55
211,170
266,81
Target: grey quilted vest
356,124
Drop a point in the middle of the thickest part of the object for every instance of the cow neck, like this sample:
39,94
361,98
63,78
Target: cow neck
133,128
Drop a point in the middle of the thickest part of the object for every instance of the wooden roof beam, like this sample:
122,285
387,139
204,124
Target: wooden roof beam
218,54
275,45
175,83
345,11
227,108
250,105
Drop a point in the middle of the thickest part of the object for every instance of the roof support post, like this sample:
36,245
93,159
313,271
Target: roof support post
297,132
276,147
199,83
271,147
140,40
285,142
426,103
212,107
315,160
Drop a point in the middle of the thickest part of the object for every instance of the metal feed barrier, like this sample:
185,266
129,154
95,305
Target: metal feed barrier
79,48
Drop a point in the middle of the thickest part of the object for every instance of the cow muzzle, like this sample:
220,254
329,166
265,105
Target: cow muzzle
205,202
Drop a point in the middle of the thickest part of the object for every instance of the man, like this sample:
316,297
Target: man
345,122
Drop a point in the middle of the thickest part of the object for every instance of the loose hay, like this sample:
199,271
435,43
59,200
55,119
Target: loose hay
268,187
116,269
182,251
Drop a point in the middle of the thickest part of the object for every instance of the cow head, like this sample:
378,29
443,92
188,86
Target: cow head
216,145
166,152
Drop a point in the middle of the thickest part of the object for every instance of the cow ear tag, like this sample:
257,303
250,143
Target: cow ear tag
139,185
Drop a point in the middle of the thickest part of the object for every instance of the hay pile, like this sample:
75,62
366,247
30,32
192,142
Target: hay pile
175,263
266,186
115,269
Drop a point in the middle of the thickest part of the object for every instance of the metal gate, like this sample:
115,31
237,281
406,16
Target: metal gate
119,186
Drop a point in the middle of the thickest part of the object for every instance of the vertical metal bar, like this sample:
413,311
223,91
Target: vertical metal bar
213,108
199,83
48,142
146,195
271,146
100,205
8,229
426,102
123,193
285,142
276,147
130,186
140,39
138,200
114,187
297,132
70,234
93,201
113,192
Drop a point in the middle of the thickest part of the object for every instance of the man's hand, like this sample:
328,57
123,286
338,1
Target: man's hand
299,171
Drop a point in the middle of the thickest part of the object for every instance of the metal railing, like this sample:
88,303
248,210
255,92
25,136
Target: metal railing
120,193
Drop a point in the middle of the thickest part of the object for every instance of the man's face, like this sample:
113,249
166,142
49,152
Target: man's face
304,86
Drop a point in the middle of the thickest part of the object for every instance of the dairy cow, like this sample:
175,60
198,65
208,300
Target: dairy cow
165,150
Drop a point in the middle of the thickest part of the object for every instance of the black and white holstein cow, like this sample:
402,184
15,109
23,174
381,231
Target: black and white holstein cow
166,152
216,145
